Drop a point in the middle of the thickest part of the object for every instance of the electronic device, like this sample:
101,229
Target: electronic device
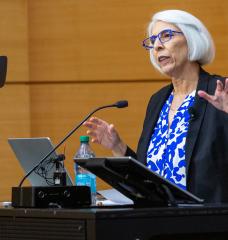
29,151
133,179
51,197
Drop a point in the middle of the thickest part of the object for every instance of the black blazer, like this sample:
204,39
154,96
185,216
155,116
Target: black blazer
206,148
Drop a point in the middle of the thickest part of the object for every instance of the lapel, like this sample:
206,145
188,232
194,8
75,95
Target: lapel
197,114
154,109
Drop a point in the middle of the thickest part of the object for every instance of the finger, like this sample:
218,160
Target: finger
94,140
90,125
87,123
219,86
111,125
91,120
91,133
206,96
226,82
97,120
226,86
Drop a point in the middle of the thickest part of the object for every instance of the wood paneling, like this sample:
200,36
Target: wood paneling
101,40
54,40
14,38
14,122
15,102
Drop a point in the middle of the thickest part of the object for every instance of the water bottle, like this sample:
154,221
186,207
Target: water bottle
84,177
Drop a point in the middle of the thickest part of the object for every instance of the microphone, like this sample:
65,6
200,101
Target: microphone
119,104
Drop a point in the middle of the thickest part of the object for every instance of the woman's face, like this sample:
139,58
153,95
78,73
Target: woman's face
171,55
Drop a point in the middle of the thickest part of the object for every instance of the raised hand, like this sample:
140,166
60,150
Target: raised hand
105,134
220,97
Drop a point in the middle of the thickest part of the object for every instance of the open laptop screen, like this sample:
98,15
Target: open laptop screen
29,152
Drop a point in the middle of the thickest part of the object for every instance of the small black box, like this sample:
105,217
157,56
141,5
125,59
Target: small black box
56,196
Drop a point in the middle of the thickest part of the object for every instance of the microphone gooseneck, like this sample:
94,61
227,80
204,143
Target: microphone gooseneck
119,104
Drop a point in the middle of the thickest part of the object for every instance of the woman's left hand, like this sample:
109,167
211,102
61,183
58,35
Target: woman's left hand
220,98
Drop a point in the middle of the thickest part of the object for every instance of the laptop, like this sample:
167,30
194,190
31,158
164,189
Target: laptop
29,152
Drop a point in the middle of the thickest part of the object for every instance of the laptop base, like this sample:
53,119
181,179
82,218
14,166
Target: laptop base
51,197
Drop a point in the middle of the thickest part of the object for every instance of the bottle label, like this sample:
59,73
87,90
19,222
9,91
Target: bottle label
83,180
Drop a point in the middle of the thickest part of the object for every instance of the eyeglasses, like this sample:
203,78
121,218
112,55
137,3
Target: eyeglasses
163,36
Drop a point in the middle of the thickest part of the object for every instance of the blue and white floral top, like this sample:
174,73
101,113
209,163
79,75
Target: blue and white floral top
166,152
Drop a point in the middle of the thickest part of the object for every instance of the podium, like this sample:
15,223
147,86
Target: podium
162,211
162,223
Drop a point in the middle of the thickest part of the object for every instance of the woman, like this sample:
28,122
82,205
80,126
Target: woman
184,139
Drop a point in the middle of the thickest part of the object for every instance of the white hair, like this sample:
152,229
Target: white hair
200,43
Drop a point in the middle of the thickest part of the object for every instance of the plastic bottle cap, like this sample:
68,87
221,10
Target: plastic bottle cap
84,138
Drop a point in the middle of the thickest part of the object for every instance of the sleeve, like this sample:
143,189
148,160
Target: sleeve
130,153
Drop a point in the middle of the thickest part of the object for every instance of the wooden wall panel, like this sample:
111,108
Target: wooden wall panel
14,122
101,40
14,38
15,102
53,34
57,108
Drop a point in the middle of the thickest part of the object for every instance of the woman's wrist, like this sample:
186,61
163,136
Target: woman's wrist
119,150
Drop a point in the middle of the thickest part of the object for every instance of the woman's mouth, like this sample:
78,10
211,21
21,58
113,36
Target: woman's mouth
163,60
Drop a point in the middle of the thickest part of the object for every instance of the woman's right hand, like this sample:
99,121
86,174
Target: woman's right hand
105,134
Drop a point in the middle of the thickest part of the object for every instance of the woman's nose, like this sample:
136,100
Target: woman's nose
158,45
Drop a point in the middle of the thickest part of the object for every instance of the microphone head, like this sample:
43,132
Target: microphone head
121,104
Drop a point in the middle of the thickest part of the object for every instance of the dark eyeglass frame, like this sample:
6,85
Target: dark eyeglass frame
154,37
